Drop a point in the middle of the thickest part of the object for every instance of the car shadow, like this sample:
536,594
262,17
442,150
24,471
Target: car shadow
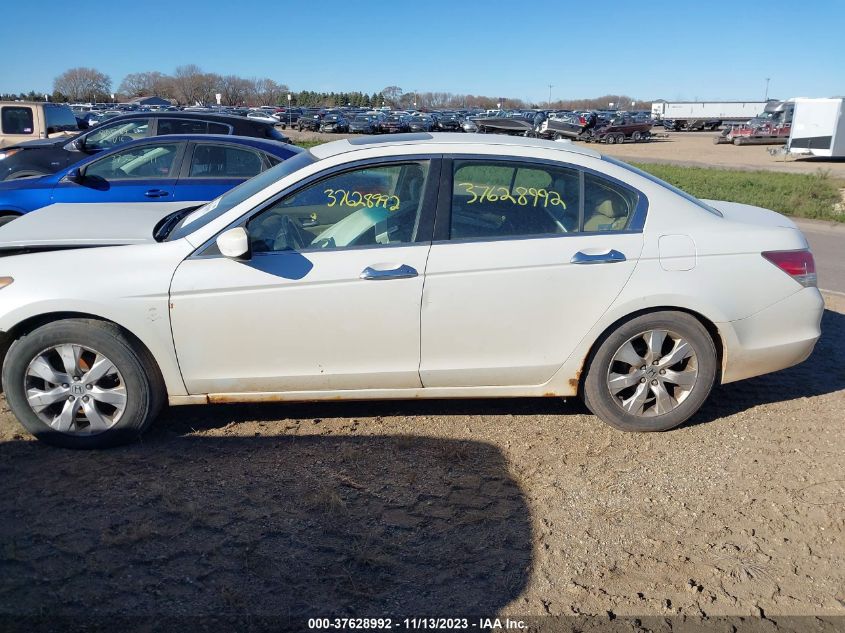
281,528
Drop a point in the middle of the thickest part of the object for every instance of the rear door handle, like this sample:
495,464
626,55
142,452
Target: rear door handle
609,257
156,193
401,272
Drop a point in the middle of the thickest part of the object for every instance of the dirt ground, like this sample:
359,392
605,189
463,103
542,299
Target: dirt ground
684,148
509,507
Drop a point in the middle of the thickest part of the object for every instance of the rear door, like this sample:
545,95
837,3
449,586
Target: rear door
141,173
212,168
526,258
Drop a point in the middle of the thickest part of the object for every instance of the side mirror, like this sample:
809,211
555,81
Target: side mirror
74,175
234,243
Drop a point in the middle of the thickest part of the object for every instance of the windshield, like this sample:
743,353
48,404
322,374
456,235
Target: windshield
234,197
663,183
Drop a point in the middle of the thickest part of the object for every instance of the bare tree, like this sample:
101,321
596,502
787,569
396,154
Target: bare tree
192,85
145,84
234,90
392,94
82,83
267,92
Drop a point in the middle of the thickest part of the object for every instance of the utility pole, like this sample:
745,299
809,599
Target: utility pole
766,97
550,95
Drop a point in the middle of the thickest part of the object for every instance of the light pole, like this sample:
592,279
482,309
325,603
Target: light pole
550,95
766,97
289,112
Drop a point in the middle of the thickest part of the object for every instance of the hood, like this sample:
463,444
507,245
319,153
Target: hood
100,224
46,142
748,214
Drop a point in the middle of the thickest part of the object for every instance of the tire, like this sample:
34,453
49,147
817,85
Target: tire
637,136
703,364
135,376
610,139
5,218
620,138
25,174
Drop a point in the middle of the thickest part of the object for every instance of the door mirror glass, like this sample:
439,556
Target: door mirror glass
234,243
74,175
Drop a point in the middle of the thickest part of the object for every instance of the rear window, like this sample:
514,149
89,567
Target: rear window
191,126
60,119
16,120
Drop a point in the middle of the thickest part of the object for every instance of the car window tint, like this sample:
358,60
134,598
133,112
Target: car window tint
501,199
16,120
608,206
147,161
221,161
59,119
190,126
113,134
366,207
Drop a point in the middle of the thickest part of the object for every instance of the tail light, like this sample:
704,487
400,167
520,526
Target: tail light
797,264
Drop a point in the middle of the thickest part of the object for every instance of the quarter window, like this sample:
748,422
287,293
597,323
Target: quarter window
148,161
376,206
17,120
607,206
220,161
501,200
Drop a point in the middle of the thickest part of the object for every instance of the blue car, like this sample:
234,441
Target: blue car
172,168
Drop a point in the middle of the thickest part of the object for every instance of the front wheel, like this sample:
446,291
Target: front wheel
651,373
81,383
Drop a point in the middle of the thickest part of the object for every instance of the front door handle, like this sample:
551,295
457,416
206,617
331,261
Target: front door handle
608,257
156,193
402,272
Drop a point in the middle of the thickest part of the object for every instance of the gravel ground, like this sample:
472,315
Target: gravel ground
508,507
683,148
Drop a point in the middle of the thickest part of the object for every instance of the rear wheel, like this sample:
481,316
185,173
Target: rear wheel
637,136
81,383
652,373
610,139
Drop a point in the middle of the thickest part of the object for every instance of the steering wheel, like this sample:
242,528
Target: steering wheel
288,235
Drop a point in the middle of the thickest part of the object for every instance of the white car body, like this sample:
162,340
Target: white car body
481,319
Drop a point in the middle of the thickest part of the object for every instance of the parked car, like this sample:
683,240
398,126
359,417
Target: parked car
289,117
364,124
394,123
605,282
449,122
192,167
47,156
334,123
23,121
421,123
309,120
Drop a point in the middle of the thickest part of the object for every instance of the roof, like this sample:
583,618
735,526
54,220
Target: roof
423,138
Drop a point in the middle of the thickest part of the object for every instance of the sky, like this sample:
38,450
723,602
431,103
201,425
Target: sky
718,50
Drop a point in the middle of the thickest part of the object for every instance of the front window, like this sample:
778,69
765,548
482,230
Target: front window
114,134
147,161
190,126
16,120
374,206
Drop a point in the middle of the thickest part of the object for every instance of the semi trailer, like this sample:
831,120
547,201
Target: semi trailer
703,115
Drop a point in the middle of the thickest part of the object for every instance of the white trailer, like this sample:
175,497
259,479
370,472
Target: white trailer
692,115
818,128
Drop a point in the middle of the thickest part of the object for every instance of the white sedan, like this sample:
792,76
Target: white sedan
407,266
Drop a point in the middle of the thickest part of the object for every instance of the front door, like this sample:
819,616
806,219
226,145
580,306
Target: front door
141,173
329,300
525,273
214,168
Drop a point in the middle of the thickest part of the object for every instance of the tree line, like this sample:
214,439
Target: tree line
190,85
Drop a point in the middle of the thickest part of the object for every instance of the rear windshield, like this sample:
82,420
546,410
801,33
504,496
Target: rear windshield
16,120
234,197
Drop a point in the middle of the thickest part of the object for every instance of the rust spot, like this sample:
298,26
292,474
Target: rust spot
550,394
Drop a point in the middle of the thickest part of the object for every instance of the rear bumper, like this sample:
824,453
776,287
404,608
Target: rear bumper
778,337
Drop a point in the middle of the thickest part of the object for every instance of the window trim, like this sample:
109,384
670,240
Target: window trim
443,219
425,219
174,173
18,107
185,171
